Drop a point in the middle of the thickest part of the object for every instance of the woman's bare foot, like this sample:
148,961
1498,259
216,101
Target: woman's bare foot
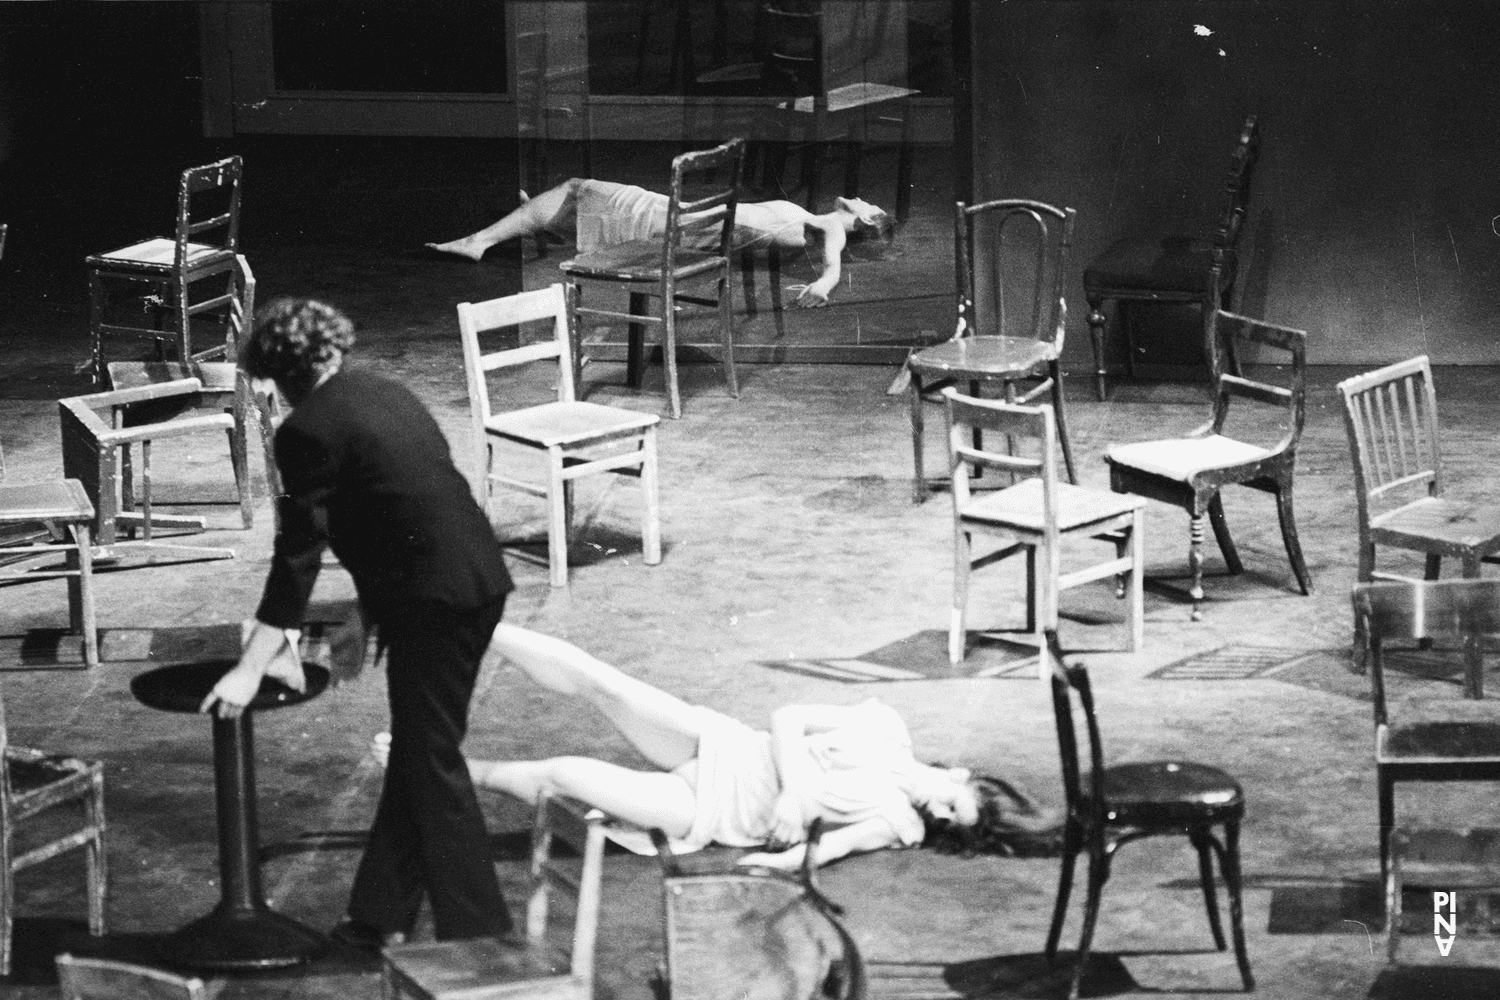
465,247
380,749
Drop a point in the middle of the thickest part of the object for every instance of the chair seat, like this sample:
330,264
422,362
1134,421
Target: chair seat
638,260
982,357
1169,793
1469,741
1181,459
58,500
477,968
39,780
553,424
159,255
1169,267
1020,506
1433,523
216,376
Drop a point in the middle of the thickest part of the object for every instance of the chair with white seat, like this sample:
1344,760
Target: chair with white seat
578,438
1033,516
1190,471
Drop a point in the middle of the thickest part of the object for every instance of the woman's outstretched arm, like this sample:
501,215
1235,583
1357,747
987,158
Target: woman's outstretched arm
866,835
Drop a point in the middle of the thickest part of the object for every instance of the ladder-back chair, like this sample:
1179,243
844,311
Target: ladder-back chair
1033,516
577,438
1017,341
80,978
1189,472
171,269
695,245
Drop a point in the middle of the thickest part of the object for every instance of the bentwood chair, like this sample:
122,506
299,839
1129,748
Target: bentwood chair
32,784
1152,269
1018,338
694,246
166,273
1391,418
577,438
491,968
1189,472
1033,516
93,452
103,979
1423,735
1111,806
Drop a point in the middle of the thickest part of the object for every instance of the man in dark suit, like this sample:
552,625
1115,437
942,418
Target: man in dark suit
367,471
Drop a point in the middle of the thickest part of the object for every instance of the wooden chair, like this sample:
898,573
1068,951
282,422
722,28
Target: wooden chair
102,979
204,246
33,783
93,451
694,246
1189,472
41,520
1391,418
1018,344
486,968
578,438
1172,269
1428,737
1112,806
815,116
1033,516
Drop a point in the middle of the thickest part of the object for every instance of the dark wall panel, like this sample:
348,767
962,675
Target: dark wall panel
1373,216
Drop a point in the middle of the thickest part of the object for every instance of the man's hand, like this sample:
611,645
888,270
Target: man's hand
234,690
266,651
813,296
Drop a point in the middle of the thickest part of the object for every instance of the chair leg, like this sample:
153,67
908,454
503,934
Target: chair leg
1064,890
1202,843
919,475
1222,536
650,488
182,297
1195,565
1288,517
1096,333
1387,817
98,871
773,272
239,458
1393,905
7,916
1230,863
557,520
1031,622
81,593
726,332
97,297
669,346
1137,579
1055,370
961,567
1098,873
635,342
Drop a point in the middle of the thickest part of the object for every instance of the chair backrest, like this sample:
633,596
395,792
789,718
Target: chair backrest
582,829
1036,278
791,36
1237,186
1422,609
713,176
208,207
1085,799
1228,336
1391,418
1038,423
103,979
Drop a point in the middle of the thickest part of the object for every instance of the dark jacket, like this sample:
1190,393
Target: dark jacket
367,471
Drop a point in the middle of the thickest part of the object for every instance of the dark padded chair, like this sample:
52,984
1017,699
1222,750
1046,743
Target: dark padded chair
1170,269
1114,805
1426,738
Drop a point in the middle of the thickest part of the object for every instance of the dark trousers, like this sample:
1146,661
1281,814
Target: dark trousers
429,834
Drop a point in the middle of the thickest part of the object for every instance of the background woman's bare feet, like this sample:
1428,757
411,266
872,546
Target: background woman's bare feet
380,749
465,247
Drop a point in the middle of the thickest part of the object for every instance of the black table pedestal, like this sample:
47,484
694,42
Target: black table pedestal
242,934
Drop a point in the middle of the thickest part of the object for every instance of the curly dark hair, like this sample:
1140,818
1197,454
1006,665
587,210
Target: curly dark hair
293,337
1011,823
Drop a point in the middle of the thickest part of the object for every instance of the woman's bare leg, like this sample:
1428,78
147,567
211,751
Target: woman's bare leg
661,726
553,208
647,799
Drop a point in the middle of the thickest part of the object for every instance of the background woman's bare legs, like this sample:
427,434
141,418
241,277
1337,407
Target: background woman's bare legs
664,728
645,798
552,209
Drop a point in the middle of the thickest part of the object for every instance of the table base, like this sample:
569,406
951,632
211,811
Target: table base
243,941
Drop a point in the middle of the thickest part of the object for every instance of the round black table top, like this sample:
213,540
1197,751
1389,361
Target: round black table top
182,687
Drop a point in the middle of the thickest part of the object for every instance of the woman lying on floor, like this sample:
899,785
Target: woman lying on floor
722,782
604,214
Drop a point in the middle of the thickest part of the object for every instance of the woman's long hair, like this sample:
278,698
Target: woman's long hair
1011,822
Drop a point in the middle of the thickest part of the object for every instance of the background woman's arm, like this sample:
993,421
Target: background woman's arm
866,835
